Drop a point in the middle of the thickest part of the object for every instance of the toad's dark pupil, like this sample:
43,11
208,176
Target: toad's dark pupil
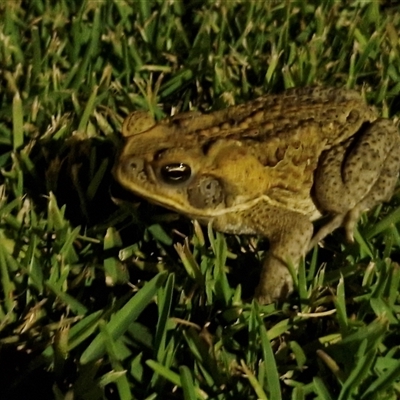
176,173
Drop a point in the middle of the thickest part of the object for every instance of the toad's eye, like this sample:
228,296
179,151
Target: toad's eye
175,173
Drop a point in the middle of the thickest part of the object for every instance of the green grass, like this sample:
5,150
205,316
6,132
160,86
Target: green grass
103,300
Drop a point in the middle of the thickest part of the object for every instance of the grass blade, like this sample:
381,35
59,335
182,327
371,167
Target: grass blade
120,322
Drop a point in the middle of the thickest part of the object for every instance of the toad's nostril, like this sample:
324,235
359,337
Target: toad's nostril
133,165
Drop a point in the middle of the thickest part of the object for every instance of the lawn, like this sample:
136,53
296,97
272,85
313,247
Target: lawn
105,296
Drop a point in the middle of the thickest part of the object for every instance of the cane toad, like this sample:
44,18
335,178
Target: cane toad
267,167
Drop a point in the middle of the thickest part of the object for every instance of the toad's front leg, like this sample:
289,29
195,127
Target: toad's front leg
289,238
289,234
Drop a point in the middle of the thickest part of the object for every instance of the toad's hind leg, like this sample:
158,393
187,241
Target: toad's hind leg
357,175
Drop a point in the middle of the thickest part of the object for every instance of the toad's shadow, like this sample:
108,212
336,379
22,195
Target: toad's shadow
78,172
